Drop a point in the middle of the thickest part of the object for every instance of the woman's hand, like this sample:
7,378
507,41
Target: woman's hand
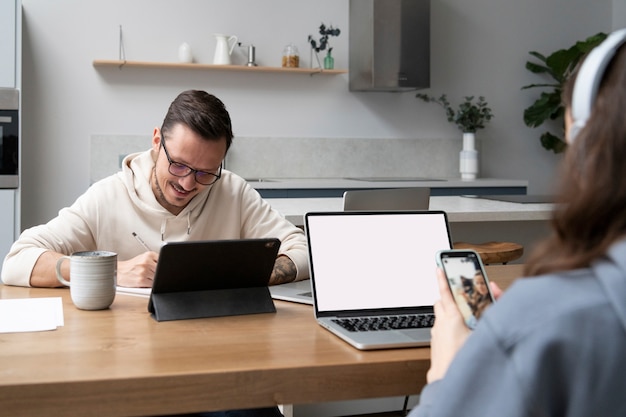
449,332
495,290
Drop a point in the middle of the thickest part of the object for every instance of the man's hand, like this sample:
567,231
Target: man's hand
284,271
137,272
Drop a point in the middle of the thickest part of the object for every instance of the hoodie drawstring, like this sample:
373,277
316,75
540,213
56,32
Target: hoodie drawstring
164,224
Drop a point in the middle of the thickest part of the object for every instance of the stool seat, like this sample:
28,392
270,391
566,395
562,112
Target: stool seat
494,252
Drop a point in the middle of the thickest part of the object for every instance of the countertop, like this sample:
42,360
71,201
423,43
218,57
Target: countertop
379,182
459,209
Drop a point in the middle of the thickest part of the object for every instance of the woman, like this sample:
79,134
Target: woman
554,344
480,298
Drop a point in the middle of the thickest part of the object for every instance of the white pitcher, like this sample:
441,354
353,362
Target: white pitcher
224,49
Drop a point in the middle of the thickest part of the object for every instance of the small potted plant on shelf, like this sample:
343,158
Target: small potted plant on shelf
322,44
469,117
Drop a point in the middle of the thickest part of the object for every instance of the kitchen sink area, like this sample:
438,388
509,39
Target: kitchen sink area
327,167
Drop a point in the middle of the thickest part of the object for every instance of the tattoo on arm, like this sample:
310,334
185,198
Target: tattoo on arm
284,271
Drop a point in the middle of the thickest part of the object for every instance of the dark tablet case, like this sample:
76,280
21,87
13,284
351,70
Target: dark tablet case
213,278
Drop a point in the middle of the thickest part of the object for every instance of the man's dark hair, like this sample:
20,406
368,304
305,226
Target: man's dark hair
203,113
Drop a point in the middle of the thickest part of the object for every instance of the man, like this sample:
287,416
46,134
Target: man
178,190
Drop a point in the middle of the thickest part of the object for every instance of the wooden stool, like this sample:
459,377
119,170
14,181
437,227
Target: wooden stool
494,252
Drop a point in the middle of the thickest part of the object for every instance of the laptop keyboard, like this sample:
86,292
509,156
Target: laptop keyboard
367,324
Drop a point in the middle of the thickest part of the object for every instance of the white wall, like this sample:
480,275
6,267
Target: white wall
619,14
7,43
479,47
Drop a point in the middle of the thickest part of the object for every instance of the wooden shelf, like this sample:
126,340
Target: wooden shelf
103,63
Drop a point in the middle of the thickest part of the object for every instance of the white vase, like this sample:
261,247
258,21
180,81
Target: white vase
184,53
468,158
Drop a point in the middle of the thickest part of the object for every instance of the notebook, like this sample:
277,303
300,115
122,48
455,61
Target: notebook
373,264
212,278
415,198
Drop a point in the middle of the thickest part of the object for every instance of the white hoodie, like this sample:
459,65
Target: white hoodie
107,214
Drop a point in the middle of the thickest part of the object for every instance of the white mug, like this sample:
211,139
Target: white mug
93,278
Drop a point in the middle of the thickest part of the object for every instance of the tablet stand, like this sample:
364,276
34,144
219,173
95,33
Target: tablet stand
211,303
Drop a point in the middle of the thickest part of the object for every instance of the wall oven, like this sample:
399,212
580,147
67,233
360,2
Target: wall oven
9,137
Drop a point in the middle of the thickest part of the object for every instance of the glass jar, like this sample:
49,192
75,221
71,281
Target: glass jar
291,57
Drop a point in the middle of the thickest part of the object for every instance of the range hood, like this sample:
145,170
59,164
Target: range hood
389,45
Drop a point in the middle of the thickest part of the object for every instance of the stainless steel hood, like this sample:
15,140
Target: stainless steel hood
389,45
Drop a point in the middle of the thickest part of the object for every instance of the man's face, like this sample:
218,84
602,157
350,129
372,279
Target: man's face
184,146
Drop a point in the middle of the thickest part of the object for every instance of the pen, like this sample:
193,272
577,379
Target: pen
140,240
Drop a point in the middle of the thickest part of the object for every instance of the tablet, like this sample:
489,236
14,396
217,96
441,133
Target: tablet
213,278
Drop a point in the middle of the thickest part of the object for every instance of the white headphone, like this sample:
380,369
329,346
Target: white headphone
588,80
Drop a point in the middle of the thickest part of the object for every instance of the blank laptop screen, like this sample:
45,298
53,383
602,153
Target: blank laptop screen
375,260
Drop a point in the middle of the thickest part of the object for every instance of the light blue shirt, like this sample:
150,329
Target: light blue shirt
553,345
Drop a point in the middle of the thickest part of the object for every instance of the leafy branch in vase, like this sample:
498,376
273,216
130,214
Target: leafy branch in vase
323,43
470,115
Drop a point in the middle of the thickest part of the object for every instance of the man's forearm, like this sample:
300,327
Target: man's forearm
44,271
284,271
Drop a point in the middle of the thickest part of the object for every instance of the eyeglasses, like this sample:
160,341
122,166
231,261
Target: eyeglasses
181,170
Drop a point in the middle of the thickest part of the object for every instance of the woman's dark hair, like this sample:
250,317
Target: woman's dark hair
203,113
590,213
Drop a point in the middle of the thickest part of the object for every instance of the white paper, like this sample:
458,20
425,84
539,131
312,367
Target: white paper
30,314
139,292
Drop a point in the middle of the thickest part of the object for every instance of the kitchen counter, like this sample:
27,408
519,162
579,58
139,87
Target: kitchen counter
471,219
459,209
335,187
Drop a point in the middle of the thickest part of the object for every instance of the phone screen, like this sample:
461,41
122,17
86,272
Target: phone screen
468,283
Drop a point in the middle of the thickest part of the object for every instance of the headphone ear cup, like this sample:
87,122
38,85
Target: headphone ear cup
589,78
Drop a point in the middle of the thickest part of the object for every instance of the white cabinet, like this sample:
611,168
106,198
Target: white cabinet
9,56
8,38
7,221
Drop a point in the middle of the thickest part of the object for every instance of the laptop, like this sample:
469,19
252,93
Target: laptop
211,278
296,292
415,198
376,266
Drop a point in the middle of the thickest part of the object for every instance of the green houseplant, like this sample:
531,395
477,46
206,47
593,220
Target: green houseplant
322,44
558,66
469,117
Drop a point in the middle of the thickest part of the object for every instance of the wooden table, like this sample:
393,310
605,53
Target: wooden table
121,362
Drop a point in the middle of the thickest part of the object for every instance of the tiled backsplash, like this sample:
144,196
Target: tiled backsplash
306,157
339,158
107,152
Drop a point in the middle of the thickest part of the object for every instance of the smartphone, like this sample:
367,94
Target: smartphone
468,283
